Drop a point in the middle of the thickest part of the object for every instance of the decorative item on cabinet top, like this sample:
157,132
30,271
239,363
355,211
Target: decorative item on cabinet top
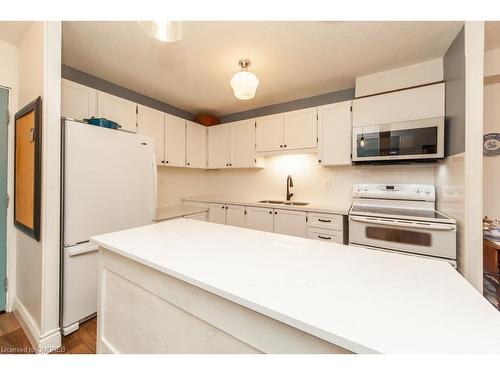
205,119
491,144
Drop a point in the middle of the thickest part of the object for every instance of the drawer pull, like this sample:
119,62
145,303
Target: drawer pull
325,221
324,238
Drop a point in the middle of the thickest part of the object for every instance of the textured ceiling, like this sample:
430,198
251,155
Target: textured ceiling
291,59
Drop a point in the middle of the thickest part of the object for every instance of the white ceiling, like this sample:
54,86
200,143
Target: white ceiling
12,31
291,59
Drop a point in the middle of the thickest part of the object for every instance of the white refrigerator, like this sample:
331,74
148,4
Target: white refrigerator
109,184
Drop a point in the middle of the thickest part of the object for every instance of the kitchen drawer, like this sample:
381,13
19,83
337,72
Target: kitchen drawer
328,235
327,221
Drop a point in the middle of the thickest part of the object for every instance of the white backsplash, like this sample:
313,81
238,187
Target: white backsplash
312,182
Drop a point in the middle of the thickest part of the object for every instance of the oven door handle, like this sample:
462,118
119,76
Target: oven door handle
405,224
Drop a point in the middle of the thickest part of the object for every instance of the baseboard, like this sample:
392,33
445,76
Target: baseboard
50,341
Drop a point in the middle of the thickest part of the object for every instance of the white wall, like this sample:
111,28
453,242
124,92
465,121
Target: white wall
37,263
312,182
491,124
9,78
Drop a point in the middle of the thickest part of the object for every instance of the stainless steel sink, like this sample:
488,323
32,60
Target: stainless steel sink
271,202
289,203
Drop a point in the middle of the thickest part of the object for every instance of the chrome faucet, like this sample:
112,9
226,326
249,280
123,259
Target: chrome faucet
289,184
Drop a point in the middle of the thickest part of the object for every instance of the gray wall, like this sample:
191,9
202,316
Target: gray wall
313,101
86,79
454,77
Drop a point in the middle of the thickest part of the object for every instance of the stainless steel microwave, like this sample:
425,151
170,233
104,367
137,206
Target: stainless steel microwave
416,140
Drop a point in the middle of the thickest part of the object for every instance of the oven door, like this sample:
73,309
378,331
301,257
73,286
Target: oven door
409,140
417,237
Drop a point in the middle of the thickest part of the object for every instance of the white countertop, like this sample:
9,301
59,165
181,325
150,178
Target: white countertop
340,208
172,212
363,300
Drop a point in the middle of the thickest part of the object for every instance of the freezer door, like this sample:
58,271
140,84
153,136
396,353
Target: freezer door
79,282
109,181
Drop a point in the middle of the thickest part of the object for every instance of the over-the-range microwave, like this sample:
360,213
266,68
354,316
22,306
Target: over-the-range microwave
408,141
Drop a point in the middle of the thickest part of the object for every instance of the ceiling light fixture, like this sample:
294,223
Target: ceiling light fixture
165,31
244,83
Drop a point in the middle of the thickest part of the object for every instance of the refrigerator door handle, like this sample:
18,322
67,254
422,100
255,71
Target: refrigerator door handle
83,249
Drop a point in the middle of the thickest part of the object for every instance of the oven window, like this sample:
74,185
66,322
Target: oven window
419,141
399,235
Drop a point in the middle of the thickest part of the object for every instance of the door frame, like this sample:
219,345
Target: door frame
4,272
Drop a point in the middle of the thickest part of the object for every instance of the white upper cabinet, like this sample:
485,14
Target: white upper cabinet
300,129
219,146
175,141
196,145
235,215
269,133
150,124
77,101
290,222
242,141
405,105
117,109
334,133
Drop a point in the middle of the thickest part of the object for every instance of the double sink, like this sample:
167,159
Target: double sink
285,203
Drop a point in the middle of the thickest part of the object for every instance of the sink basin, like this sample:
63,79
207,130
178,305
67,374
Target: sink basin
295,203
271,202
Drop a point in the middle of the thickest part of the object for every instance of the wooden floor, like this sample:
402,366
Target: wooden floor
14,341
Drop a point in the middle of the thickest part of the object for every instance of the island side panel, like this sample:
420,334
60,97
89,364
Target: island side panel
142,310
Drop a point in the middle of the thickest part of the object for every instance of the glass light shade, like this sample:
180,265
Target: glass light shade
244,85
165,31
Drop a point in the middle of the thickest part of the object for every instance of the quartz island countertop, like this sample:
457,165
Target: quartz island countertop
362,300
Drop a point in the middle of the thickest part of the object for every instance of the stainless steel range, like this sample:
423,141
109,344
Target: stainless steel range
401,218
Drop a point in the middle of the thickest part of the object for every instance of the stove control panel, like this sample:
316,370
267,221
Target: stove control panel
411,192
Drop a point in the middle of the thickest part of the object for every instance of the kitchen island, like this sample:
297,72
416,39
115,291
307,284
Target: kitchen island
186,286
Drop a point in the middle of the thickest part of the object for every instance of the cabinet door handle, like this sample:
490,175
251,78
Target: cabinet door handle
281,146
324,238
270,212
284,145
325,221
166,161
275,213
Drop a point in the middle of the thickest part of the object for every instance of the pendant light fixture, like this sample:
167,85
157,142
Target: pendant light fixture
244,83
164,31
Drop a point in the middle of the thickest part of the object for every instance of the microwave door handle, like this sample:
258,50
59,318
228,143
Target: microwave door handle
394,223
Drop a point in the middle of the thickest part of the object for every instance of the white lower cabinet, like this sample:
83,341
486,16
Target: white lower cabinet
293,223
259,218
217,213
235,215
325,235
